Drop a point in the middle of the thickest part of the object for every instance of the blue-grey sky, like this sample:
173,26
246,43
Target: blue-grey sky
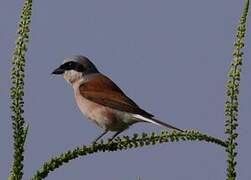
171,57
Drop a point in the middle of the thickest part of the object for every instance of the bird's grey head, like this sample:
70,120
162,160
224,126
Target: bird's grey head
75,67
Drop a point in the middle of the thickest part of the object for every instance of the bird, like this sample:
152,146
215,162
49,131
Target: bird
101,100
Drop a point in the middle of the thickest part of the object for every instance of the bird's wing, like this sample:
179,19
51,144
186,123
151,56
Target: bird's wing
101,90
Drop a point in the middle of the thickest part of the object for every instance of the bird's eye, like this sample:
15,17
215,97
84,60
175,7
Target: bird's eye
69,65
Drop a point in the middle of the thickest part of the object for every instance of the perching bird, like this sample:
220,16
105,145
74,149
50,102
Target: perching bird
101,100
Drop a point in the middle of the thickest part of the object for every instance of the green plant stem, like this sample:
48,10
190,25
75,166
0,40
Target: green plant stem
17,92
120,144
231,104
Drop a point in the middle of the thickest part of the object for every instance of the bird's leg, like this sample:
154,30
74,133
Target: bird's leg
100,136
116,134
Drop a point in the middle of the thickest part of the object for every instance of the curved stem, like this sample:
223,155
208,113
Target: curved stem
19,127
124,143
231,104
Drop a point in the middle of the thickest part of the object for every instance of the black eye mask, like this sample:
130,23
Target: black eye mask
72,66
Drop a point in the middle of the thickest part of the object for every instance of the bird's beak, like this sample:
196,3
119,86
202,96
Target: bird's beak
58,71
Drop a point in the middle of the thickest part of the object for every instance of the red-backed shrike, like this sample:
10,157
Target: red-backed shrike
101,100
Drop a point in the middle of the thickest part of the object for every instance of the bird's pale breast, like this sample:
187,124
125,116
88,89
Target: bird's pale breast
104,117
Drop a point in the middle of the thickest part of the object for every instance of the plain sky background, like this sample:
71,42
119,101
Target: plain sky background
171,57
